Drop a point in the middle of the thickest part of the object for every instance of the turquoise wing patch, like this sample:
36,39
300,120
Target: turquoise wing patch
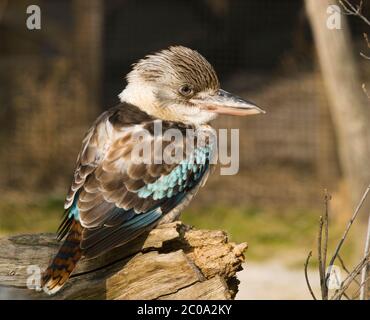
74,212
178,178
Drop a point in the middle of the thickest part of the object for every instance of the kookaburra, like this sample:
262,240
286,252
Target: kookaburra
114,199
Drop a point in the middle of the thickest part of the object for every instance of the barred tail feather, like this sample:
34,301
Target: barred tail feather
61,267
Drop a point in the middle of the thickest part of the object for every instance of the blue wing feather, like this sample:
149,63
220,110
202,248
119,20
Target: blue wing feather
121,226
178,177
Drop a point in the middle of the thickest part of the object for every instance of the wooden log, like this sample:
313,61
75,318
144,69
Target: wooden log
173,261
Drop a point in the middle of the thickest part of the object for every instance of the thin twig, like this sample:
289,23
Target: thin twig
352,11
364,289
357,292
306,275
325,242
339,246
346,295
319,257
364,56
345,268
366,39
368,46
349,9
348,280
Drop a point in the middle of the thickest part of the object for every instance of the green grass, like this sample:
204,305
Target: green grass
270,234
279,234
39,215
266,233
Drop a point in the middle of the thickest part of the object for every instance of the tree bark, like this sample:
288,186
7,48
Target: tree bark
172,262
347,101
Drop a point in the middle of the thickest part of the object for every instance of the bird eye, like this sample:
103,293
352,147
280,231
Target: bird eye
186,90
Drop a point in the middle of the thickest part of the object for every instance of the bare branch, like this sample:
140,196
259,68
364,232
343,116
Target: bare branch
354,296
349,9
345,268
345,294
322,242
361,285
368,45
320,256
363,294
323,247
364,56
366,40
306,275
325,242
354,216
350,278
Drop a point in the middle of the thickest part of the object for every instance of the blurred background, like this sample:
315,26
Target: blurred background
55,81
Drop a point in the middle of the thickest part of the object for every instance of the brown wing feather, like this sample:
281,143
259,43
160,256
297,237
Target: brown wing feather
117,178
106,180
97,139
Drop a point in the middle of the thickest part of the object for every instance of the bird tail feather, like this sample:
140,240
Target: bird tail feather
61,267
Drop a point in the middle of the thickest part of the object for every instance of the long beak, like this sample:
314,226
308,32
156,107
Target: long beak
224,102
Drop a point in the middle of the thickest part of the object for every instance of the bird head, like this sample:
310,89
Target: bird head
179,84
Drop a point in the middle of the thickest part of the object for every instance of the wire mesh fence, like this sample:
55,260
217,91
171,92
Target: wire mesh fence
286,157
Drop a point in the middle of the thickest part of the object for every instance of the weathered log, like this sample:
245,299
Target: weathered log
173,261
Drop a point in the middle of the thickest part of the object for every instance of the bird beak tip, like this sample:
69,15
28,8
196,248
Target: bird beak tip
262,111
228,104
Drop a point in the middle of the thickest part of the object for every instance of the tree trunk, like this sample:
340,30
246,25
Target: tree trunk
172,262
347,101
